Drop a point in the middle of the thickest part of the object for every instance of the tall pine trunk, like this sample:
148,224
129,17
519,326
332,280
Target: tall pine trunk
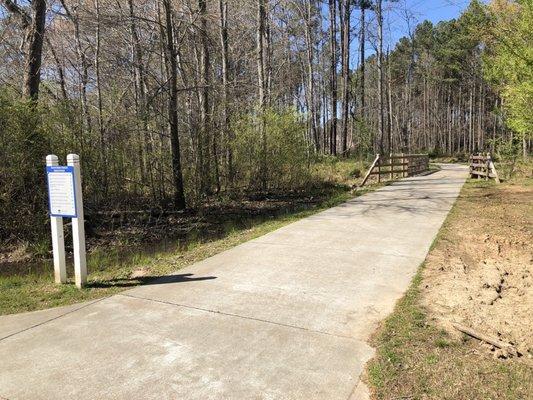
262,85
205,116
224,45
333,74
310,75
362,41
381,113
346,14
170,58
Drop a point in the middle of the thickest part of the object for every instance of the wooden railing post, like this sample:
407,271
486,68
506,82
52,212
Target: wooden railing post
486,166
481,165
391,168
492,168
411,164
376,160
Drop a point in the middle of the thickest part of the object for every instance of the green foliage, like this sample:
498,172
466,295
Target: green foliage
507,153
287,150
24,142
508,61
364,145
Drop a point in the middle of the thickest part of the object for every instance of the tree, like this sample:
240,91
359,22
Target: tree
508,63
33,26
345,8
224,45
378,9
170,57
262,84
363,6
333,74
153,95
205,117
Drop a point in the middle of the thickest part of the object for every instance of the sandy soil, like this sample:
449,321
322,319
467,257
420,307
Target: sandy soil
480,275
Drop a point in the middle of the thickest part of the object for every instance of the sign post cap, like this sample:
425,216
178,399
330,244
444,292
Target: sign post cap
51,158
72,158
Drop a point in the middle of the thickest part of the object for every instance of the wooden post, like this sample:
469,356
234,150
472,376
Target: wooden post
486,167
479,176
492,168
392,161
370,171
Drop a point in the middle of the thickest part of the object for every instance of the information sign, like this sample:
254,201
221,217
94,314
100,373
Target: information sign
61,191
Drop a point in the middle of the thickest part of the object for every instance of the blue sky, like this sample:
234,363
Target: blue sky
420,10
400,17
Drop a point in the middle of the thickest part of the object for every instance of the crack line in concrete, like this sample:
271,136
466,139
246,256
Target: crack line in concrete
52,319
241,316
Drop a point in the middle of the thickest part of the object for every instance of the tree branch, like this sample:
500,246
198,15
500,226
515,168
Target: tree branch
18,11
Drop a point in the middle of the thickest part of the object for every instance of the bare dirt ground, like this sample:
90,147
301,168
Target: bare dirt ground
480,275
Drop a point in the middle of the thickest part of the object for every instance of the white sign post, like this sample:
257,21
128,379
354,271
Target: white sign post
78,228
66,201
58,238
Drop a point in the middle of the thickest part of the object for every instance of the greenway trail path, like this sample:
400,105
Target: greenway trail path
284,316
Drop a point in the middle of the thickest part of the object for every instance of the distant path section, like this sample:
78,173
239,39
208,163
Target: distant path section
284,316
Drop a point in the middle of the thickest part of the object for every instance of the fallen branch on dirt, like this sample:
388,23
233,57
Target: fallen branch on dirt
508,350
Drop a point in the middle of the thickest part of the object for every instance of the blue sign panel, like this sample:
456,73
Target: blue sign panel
61,191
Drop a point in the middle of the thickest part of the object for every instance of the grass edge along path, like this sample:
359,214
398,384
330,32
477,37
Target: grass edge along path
22,293
415,359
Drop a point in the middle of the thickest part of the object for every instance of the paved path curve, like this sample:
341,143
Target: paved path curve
284,316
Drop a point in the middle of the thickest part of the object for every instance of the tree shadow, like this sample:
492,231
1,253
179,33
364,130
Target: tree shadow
148,280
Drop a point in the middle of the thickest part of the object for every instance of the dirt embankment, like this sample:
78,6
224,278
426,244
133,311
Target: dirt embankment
480,275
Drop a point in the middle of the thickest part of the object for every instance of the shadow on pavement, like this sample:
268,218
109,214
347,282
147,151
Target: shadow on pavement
148,280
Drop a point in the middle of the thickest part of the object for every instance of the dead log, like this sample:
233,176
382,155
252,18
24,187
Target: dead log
508,348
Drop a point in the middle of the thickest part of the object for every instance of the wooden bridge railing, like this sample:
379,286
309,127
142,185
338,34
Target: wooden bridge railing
397,165
481,165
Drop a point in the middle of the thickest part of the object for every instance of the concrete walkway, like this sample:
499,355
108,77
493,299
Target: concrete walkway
284,316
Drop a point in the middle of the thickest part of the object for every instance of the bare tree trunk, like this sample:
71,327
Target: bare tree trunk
223,5
389,106
170,58
103,152
311,73
84,73
381,114
346,14
362,5
333,72
205,116
145,161
34,38
262,85
60,71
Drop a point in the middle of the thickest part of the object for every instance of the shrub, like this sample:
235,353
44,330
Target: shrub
287,152
23,148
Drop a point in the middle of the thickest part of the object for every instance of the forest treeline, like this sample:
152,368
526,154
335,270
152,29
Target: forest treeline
169,102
